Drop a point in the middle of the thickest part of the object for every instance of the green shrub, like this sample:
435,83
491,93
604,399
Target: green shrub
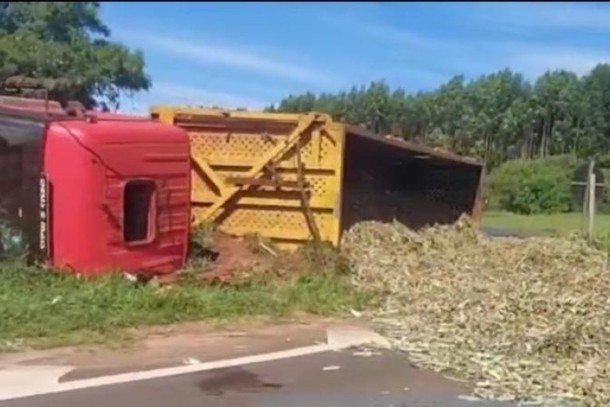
605,204
604,164
533,186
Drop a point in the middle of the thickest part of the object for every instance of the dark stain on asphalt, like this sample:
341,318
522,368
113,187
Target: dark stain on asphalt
235,379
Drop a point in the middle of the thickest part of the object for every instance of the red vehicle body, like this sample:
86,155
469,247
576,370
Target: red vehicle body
93,192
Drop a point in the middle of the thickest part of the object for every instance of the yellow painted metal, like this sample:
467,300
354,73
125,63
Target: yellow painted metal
255,171
244,144
338,130
246,179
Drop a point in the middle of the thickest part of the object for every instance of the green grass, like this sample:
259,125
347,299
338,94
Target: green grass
554,224
42,309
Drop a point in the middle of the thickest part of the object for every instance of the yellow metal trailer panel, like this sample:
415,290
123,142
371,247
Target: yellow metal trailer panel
248,169
282,175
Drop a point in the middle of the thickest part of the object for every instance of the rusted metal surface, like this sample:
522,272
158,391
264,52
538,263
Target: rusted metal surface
42,107
49,84
33,93
33,105
413,148
382,183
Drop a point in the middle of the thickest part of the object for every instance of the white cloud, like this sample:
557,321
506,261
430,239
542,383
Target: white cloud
238,57
407,39
531,59
563,16
177,94
535,60
181,94
498,36
474,55
364,23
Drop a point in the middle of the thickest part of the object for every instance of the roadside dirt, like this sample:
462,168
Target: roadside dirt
158,347
234,260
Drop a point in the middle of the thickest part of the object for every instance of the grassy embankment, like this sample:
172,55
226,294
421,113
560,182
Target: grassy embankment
42,309
552,224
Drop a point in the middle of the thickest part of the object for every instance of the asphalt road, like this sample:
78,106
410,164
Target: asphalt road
495,232
333,379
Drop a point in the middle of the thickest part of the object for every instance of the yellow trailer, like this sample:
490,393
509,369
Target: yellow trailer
298,177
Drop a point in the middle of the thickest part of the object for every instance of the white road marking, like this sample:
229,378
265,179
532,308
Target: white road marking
16,378
336,338
27,391
329,368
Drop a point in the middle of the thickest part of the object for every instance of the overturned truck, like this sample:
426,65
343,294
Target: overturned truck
299,177
91,192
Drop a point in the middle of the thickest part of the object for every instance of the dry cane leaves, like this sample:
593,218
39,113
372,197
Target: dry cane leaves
522,319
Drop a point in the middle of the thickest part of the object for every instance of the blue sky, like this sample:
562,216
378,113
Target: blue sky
253,54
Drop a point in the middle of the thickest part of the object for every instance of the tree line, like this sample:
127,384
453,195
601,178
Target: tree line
68,41
495,117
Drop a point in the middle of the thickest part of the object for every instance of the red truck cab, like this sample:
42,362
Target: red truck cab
93,192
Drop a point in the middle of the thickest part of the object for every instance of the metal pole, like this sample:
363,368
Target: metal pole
591,200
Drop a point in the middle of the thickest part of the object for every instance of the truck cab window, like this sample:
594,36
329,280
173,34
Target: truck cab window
139,207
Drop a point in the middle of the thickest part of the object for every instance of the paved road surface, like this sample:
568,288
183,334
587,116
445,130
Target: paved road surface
495,232
334,379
